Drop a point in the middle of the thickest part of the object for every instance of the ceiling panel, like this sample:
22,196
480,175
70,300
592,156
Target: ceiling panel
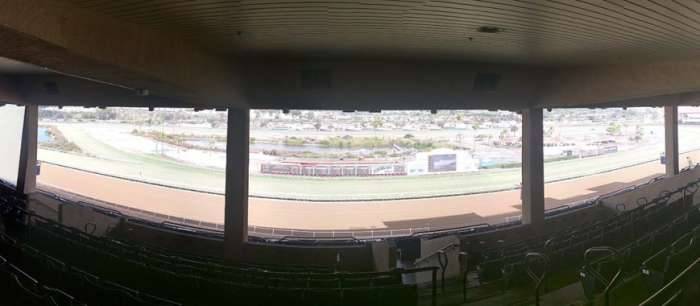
540,32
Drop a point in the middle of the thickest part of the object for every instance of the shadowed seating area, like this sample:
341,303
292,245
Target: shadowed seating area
52,254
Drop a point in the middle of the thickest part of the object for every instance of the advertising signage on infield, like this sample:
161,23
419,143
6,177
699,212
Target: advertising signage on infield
442,163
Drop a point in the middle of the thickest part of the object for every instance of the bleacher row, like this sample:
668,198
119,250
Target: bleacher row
101,271
629,243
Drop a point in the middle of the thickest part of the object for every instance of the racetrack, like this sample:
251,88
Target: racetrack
168,173
113,154
162,185
434,212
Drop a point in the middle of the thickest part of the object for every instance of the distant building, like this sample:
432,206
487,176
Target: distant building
689,118
598,148
557,149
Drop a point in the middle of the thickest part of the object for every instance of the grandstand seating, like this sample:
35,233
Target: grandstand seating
634,235
60,255
646,250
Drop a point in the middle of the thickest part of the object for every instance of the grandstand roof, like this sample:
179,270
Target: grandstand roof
528,32
351,55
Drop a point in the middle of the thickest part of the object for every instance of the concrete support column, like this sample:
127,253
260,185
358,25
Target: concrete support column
26,177
671,138
532,192
236,211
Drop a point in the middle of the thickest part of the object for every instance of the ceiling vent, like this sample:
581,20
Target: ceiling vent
316,79
486,81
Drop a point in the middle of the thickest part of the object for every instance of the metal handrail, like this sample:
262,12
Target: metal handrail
60,292
690,189
337,238
434,253
464,262
654,299
655,179
609,283
681,245
665,195
443,261
453,229
539,279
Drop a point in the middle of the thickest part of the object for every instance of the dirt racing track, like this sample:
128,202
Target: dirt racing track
390,214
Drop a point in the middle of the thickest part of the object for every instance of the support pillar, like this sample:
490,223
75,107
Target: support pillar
532,192
236,210
671,138
26,176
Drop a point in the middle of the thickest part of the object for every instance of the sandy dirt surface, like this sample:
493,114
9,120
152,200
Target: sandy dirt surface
396,214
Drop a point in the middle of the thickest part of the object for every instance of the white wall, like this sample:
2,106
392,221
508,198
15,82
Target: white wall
11,121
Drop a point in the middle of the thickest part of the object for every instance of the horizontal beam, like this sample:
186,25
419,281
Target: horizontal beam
617,83
374,85
85,44
79,42
685,98
57,90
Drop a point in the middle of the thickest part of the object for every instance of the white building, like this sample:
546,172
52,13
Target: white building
690,118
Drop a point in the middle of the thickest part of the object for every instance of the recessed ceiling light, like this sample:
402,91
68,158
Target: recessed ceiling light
489,29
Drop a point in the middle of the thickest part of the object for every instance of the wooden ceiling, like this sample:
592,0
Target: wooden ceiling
531,32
